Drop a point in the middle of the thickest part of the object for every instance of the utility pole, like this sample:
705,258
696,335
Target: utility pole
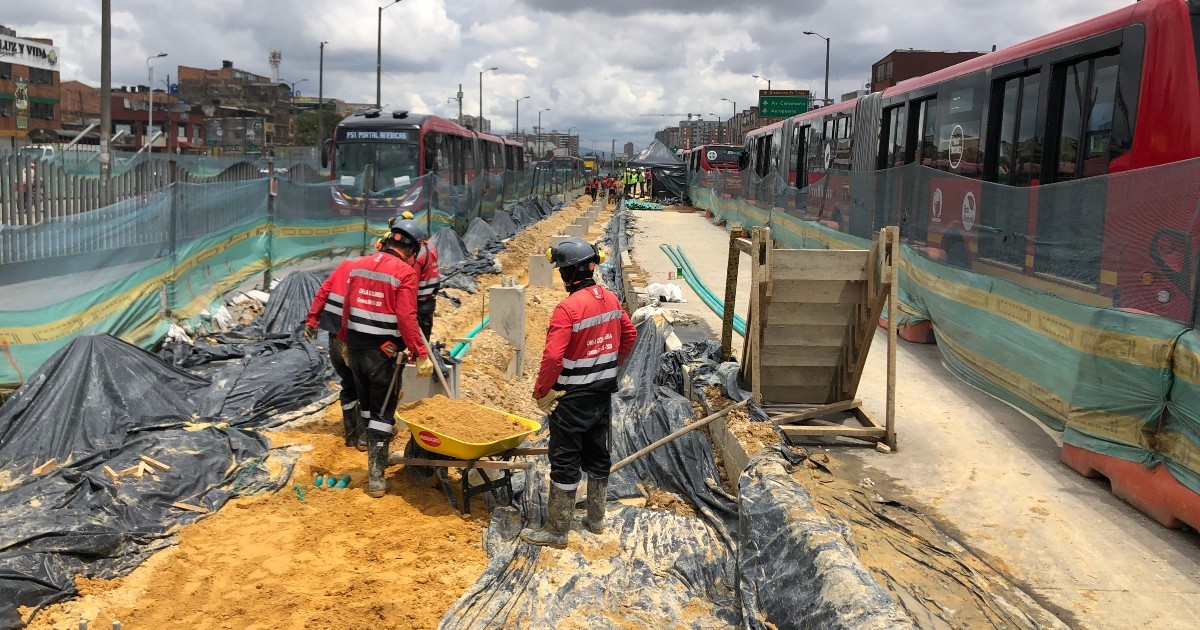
612,156
460,98
150,100
379,56
321,98
105,101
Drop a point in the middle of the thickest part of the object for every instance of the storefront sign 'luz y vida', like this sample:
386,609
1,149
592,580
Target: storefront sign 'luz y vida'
23,52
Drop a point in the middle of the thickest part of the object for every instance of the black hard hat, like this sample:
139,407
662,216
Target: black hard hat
573,251
408,228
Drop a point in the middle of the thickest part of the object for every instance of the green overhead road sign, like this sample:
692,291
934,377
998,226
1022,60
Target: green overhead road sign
782,103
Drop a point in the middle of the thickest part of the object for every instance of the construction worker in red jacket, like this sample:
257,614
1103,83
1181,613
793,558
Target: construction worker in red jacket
379,322
326,314
429,278
589,337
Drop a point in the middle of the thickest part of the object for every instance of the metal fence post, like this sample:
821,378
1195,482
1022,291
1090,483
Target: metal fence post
172,236
366,210
271,184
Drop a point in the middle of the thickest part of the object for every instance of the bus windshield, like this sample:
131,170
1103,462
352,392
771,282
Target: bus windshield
722,155
388,161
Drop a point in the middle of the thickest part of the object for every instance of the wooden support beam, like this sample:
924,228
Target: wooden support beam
189,507
791,417
874,434
155,463
731,279
742,245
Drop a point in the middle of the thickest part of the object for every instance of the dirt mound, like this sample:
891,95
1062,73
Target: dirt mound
336,559
754,436
461,420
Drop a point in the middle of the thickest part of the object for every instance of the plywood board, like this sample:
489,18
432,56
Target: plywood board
799,376
775,356
829,336
812,395
818,264
817,291
792,314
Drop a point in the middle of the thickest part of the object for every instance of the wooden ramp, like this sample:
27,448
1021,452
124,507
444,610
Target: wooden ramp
813,314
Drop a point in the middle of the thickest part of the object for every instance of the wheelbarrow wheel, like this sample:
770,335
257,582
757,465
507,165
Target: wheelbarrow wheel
419,475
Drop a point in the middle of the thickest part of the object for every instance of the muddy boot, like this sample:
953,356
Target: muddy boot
558,520
361,442
351,424
597,499
377,460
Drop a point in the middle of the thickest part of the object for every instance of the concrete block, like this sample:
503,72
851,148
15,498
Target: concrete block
557,239
541,272
507,313
414,388
584,223
575,230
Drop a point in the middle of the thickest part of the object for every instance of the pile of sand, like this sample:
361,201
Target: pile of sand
461,420
754,436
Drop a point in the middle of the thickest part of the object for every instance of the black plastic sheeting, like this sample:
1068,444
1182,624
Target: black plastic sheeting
651,568
502,225
102,402
450,248
478,235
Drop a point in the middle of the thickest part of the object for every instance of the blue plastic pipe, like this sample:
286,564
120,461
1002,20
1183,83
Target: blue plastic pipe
706,295
461,347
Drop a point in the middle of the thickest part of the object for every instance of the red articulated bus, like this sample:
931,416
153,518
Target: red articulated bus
403,148
1032,155
706,159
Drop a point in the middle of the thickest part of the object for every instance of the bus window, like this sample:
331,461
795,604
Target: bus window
1016,147
800,154
926,149
1086,117
961,118
893,132
816,155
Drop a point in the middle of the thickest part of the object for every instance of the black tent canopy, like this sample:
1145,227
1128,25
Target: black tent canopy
668,171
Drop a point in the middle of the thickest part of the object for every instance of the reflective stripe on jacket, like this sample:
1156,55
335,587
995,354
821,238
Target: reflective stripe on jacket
589,337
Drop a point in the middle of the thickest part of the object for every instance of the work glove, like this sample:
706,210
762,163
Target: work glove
549,402
424,366
310,333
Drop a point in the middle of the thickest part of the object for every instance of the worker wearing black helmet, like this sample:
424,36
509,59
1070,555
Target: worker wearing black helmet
379,322
429,277
589,337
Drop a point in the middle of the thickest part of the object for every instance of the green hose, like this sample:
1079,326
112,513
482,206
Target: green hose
461,347
706,295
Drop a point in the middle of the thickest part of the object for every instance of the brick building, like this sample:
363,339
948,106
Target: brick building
181,125
29,82
900,65
230,87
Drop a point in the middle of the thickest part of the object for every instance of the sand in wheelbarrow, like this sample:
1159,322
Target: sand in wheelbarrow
461,420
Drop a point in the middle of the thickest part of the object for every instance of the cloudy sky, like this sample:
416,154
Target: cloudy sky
597,65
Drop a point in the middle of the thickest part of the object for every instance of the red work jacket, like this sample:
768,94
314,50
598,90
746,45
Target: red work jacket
590,335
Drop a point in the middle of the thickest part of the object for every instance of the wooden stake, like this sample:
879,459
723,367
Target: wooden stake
155,463
189,507
891,237
112,474
50,465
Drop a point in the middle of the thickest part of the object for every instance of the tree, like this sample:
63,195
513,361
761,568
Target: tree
305,127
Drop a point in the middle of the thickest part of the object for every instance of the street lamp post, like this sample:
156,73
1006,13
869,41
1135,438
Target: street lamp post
517,122
479,123
321,97
379,55
827,99
735,112
540,134
150,96
759,76
569,140
291,107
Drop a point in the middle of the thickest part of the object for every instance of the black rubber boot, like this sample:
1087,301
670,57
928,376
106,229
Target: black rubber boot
558,520
352,425
597,500
377,460
361,442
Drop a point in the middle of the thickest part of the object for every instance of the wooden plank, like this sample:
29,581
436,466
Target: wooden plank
892,237
814,412
799,376
742,245
459,463
819,264
782,356
731,277
188,506
46,467
826,336
155,463
811,395
864,419
789,314
873,435
112,474
817,291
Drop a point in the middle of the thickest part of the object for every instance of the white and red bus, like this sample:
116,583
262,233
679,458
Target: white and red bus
403,149
1032,156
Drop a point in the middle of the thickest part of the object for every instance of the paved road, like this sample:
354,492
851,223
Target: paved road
989,473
